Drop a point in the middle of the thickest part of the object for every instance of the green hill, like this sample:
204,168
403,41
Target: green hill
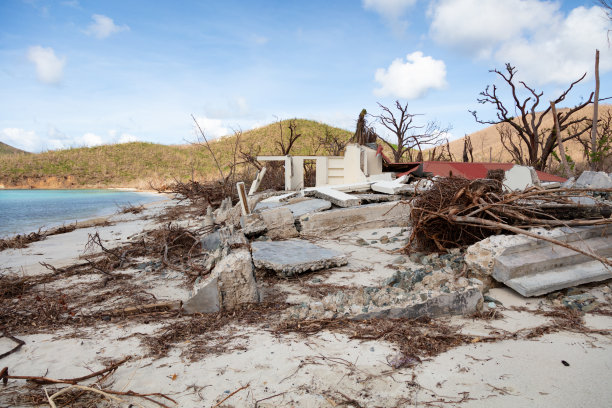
137,164
6,149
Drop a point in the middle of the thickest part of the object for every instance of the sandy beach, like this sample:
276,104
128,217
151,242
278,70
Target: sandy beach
248,358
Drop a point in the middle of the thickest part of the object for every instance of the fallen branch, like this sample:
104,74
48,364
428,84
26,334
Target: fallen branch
72,381
229,396
14,349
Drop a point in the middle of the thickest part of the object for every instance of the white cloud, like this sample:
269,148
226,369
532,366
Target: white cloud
103,27
212,128
49,67
412,78
390,9
544,44
88,139
20,138
127,138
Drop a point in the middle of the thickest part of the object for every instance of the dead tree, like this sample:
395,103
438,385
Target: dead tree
364,134
603,157
409,138
285,146
332,142
539,142
468,150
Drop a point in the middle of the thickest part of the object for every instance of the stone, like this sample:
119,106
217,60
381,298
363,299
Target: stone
230,284
519,178
594,180
338,221
308,206
292,257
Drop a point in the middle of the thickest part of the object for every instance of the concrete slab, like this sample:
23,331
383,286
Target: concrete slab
292,257
308,206
335,197
391,187
332,222
560,278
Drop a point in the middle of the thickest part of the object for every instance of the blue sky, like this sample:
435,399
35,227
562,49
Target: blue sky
77,72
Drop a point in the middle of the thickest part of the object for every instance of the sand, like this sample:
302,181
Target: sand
322,370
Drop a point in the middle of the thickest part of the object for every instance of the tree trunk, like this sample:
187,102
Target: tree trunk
594,159
566,168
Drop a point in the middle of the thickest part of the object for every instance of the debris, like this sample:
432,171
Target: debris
518,178
535,267
335,197
293,257
594,180
276,223
229,284
308,206
244,203
329,223
260,175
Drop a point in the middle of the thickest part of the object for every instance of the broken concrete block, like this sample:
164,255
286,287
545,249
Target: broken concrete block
292,257
230,284
594,180
333,222
533,267
335,197
519,178
308,206
280,223
391,187
276,223
205,297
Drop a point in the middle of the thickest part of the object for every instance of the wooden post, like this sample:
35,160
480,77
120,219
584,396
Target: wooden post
566,168
244,203
594,163
260,174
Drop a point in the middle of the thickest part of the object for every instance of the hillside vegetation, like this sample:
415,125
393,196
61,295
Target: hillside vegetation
6,149
137,164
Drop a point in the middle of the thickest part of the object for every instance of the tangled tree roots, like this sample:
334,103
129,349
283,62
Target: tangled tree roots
432,231
457,212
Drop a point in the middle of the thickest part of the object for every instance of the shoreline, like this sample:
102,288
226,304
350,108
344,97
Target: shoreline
88,221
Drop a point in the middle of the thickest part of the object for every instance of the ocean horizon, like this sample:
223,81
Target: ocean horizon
25,211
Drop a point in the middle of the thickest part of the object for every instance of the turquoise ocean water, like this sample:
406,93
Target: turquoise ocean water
23,211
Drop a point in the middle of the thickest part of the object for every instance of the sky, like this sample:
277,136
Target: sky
82,73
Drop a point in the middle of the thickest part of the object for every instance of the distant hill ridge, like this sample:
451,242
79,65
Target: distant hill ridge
6,149
136,164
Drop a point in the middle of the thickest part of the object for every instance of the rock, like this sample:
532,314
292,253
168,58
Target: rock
384,239
292,257
229,284
518,178
594,180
